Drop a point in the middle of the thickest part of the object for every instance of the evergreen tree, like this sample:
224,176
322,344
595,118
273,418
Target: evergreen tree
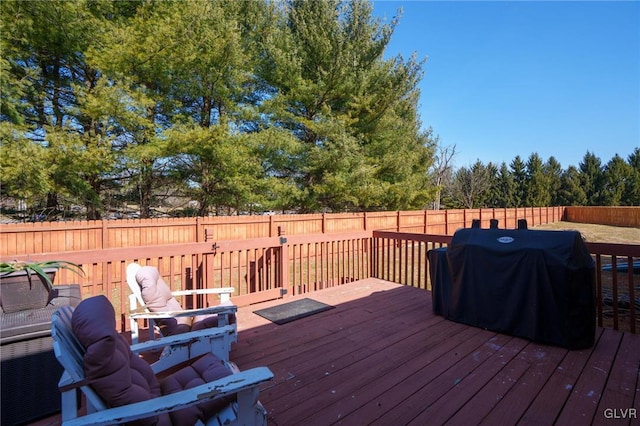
631,196
137,53
571,192
492,196
216,67
241,106
591,179
12,89
519,174
553,173
44,45
354,113
537,184
505,187
616,178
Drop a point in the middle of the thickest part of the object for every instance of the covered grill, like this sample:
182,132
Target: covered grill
538,285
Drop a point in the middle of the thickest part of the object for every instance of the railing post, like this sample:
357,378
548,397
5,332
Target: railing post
283,263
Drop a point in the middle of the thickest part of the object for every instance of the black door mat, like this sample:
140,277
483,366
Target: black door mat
292,311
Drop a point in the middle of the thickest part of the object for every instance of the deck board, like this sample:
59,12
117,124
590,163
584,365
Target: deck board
539,365
446,406
623,377
549,402
382,357
586,393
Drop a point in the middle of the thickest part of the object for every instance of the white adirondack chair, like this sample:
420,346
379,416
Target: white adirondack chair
69,352
140,311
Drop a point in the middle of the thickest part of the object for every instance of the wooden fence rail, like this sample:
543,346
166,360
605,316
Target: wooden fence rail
50,237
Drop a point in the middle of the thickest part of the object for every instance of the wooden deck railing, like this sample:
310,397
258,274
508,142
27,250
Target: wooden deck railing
257,269
617,287
401,257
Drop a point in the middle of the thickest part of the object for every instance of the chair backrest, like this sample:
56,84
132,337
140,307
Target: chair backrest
70,353
67,349
132,269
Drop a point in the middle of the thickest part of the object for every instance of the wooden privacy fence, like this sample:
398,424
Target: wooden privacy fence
614,216
47,237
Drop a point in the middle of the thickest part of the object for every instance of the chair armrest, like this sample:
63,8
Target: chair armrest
229,385
140,314
223,290
224,293
182,339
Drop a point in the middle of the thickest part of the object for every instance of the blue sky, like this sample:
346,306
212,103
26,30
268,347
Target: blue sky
512,78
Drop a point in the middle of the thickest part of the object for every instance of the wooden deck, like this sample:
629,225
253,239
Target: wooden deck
382,357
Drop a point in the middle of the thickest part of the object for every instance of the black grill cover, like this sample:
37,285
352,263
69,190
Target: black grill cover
534,284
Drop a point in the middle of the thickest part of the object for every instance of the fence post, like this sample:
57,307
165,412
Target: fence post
425,221
446,221
105,235
271,226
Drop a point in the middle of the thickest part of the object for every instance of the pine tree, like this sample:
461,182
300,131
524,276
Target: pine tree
354,113
64,133
553,173
571,192
537,183
519,174
505,187
631,196
616,177
591,179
